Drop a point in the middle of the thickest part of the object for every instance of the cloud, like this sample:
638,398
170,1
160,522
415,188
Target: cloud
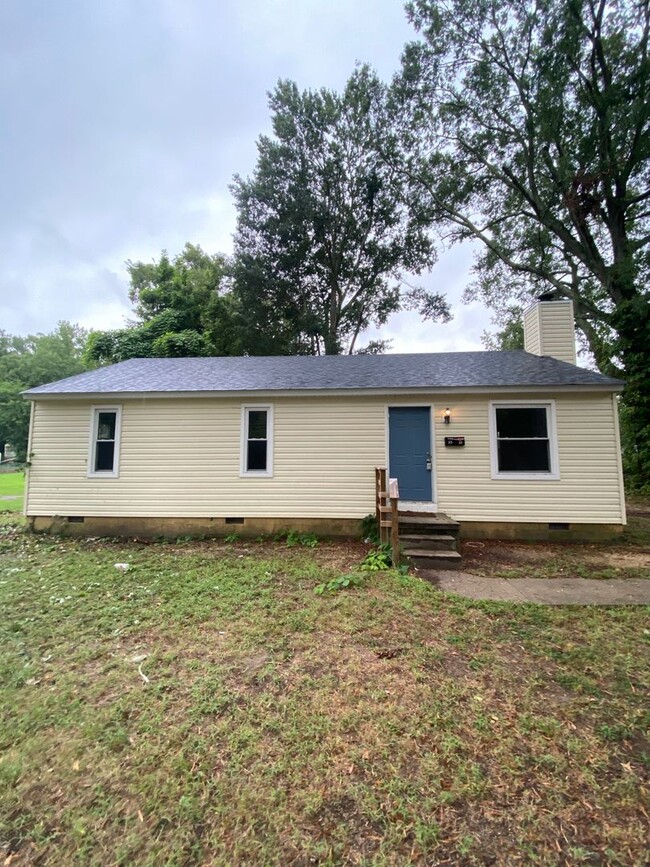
125,122
450,276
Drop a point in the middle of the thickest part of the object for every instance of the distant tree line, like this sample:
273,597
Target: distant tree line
523,126
29,361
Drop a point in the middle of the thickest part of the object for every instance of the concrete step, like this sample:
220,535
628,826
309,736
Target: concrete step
421,559
437,542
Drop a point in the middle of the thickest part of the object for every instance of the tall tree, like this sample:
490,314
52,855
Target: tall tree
323,236
182,309
510,334
525,125
26,362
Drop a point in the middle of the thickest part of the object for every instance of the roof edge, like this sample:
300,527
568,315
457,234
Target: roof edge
316,392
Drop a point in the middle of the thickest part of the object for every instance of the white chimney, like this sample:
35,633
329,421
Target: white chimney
549,328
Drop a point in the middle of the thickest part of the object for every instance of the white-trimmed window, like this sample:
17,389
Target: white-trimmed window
257,440
104,457
523,440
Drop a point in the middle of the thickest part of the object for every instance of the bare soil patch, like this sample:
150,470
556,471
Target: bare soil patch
561,560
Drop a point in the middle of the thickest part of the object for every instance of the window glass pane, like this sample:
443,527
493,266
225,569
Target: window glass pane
521,422
257,424
524,456
104,454
256,455
106,426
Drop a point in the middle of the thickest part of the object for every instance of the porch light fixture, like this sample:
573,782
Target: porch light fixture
446,416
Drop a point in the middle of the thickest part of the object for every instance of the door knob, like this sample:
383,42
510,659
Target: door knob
429,462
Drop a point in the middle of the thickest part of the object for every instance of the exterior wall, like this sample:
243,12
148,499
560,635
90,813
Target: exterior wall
549,330
180,458
589,489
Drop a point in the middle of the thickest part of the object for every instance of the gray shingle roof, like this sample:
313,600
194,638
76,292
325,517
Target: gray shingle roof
443,370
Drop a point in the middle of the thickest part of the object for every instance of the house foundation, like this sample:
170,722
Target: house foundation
332,528
540,532
172,528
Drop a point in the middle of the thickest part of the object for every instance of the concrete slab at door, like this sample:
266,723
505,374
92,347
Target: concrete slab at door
409,451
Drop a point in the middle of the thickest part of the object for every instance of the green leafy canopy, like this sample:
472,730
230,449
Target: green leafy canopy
183,308
323,234
525,126
26,362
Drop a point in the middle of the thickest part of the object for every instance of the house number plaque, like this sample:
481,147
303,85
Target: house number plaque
455,441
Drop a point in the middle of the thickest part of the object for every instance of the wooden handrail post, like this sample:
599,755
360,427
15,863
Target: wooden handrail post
386,489
394,520
381,492
378,499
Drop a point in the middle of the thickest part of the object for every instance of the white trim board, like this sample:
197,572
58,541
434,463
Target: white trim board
256,474
91,473
430,391
551,425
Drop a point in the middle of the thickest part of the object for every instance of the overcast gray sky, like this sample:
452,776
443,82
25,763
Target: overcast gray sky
122,123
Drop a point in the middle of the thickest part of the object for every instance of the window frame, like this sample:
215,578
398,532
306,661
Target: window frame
92,450
243,449
553,474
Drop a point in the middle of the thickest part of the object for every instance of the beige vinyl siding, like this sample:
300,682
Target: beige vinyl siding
532,337
549,330
588,490
181,458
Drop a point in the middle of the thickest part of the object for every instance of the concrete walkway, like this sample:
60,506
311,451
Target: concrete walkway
545,591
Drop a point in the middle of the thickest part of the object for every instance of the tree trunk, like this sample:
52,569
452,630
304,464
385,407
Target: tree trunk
631,319
332,345
330,337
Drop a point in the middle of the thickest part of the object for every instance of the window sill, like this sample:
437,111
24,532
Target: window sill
102,475
527,477
255,474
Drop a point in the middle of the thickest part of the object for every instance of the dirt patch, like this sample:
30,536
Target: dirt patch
547,560
349,662
452,665
252,664
505,552
341,810
626,559
638,507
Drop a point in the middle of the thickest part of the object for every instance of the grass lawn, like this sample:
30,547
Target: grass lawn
12,485
384,725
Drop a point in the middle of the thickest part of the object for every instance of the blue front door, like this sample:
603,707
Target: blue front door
409,451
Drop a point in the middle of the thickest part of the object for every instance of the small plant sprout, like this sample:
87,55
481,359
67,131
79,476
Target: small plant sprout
378,559
343,582
307,540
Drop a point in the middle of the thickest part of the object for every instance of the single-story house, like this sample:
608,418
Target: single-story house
512,444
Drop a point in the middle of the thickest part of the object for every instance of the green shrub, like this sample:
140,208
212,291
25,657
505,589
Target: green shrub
293,538
378,559
369,529
307,540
